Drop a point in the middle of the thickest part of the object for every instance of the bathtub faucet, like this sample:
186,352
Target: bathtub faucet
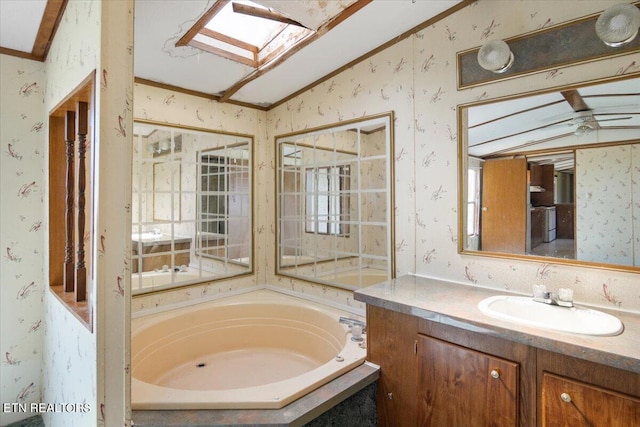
353,322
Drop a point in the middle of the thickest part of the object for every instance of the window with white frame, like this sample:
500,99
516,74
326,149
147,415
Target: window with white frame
327,200
223,202
473,202
213,190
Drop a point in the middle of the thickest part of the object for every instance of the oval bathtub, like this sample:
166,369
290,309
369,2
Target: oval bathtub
258,350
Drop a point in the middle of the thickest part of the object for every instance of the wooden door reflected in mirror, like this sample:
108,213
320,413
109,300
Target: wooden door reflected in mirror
554,176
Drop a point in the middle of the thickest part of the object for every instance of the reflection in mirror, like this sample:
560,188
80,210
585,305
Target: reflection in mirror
335,203
554,175
191,206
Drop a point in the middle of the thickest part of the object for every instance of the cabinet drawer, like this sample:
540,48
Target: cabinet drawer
567,402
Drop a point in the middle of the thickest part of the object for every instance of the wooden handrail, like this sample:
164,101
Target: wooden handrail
69,137
82,129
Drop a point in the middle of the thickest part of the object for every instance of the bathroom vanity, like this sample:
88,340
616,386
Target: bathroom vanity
156,251
443,362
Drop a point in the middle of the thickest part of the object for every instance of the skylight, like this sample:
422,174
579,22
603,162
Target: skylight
249,29
245,32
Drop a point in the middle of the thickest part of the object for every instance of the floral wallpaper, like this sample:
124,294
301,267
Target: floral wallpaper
22,231
635,196
417,79
608,224
436,99
49,356
69,358
112,250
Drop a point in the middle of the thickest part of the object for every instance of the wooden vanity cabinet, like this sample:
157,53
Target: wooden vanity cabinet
571,403
163,257
433,374
577,393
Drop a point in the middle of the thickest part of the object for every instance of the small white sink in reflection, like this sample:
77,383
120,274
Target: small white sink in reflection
147,236
527,312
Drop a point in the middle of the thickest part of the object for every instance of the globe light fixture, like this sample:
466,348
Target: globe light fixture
583,129
495,56
618,24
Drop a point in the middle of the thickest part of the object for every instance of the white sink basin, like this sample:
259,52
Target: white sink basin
525,311
147,236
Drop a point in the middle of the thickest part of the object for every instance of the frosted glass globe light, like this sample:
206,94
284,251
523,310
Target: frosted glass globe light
495,56
583,129
618,25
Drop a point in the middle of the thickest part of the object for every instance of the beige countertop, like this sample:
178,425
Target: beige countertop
157,239
457,305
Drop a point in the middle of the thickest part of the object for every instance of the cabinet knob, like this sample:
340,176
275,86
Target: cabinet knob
484,209
565,397
390,396
495,374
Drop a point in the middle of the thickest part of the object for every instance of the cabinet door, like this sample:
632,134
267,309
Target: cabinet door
535,174
462,387
565,225
545,198
567,402
390,344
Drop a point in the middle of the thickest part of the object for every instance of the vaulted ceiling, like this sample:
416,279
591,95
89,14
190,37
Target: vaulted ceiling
548,126
348,30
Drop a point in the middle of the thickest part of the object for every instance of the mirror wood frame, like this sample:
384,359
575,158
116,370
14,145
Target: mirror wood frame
462,179
251,265
390,117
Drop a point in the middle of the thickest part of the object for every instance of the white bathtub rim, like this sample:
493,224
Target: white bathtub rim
267,297
180,304
150,396
158,397
170,339
360,313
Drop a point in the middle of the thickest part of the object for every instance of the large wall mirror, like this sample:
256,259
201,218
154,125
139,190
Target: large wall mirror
335,203
191,206
554,175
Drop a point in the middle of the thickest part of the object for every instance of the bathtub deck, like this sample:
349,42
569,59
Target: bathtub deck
298,413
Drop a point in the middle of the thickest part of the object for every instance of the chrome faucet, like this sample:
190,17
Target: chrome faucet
353,322
564,297
357,328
